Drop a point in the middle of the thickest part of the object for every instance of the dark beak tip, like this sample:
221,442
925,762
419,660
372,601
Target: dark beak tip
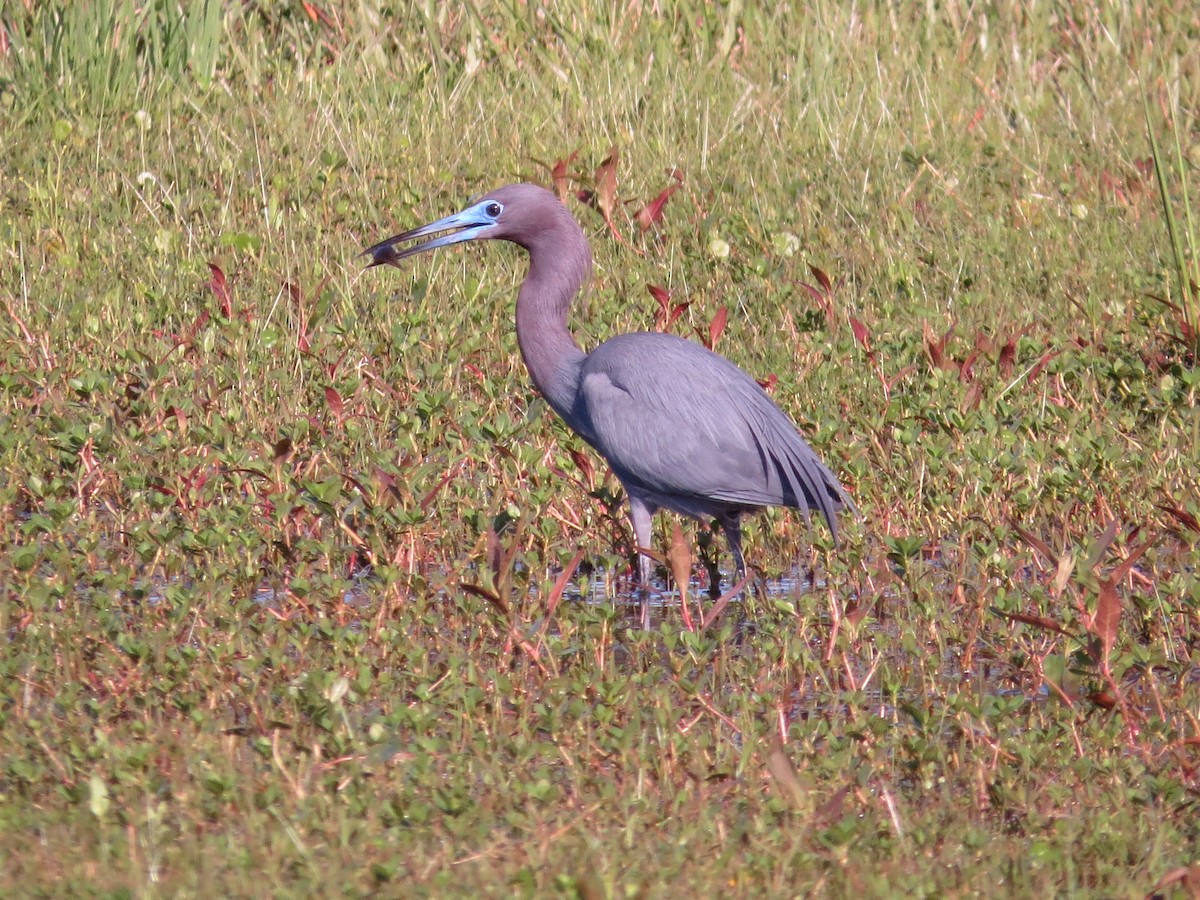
381,254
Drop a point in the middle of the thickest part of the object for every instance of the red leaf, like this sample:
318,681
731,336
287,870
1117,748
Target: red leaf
1042,363
768,383
334,399
1107,618
1036,621
679,560
822,278
317,14
935,346
1008,353
484,594
966,369
816,294
429,497
304,341
385,479
861,334
662,316
667,314
975,397
651,214
220,287
606,187
1119,573
1037,544
584,464
1182,516
661,294
717,326
560,586
1103,542
1108,605
899,376
558,175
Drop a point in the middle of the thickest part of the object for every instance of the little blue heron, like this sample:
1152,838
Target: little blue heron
682,428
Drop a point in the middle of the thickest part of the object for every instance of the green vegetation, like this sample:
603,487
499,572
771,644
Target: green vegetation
282,542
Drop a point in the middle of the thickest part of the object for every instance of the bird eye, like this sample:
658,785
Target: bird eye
493,209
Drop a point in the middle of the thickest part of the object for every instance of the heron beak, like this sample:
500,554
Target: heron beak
462,226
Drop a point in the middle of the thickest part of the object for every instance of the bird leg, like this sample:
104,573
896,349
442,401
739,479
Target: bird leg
710,556
733,534
641,516
731,523
644,567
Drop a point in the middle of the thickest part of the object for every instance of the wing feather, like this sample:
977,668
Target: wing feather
675,419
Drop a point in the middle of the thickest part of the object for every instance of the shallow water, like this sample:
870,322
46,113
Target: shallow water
989,676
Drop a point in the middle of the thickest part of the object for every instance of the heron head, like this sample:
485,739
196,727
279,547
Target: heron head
517,213
477,222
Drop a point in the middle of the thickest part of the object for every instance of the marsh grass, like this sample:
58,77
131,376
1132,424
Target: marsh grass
284,542
110,53
1181,229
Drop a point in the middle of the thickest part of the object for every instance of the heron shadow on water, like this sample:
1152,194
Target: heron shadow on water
681,427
